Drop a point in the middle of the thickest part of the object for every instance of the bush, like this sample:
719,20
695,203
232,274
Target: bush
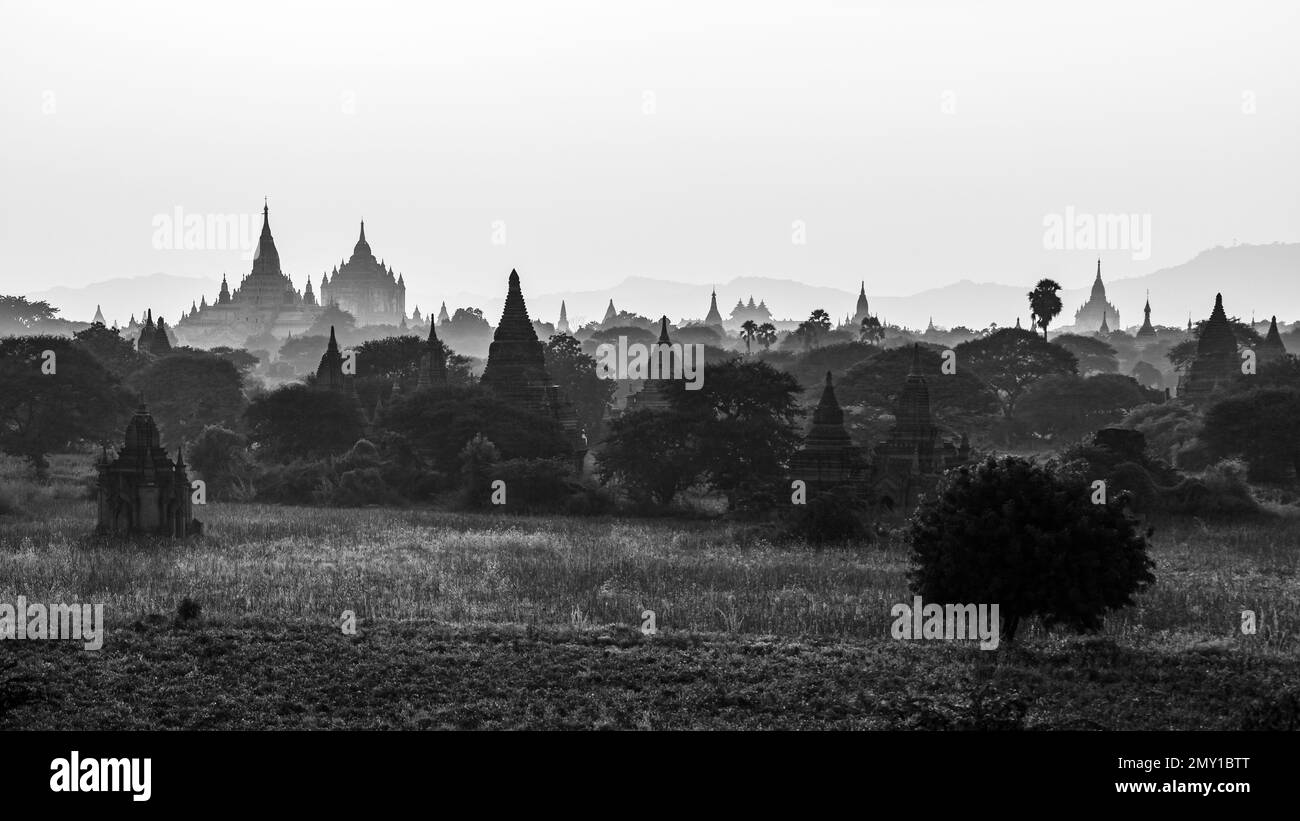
835,515
536,485
360,487
1028,538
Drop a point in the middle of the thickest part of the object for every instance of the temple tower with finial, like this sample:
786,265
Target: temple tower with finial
861,311
714,317
829,458
562,327
1093,312
915,454
329,373
656,394
611,316
1273,349
1147,333
366,288
1216,364
142,491
433,362
516,370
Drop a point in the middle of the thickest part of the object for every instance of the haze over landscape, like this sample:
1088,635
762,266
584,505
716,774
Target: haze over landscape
835,142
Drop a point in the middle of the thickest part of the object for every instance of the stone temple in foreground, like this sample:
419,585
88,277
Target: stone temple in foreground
142,491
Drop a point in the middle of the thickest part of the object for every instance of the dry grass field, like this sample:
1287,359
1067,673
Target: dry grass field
492,621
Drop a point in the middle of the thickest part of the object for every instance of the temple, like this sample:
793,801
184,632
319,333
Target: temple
1273,348
1147,333
860,311
742,313
656,394
562,327
1096,310
714,317
264,303
329,373
516,370
1216,363
828,457
142,491
911,460
364,288
433,362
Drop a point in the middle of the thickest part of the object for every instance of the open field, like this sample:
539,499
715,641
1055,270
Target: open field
493,621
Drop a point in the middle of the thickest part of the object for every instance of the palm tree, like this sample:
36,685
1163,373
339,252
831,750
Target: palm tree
817,325
766,335
748,332
1044,304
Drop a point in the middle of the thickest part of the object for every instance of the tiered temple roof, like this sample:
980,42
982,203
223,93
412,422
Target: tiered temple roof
828,457
1216,363
142,491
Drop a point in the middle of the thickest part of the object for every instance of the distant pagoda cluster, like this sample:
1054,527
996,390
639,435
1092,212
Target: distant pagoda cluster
266,303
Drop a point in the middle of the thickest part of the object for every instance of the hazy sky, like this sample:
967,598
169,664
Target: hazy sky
917,143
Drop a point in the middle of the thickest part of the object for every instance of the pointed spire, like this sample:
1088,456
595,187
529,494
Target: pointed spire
663,330
99,317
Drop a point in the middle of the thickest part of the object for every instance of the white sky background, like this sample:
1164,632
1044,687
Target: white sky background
532,113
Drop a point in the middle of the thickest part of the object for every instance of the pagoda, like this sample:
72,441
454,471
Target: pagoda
264,304
142,491
714,317
1273,349
363,287
1147,333
1095,311
911,460
516,370
329,373
828,457
433,362
657,393
1216,363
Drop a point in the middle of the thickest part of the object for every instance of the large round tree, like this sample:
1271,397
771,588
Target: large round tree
1030,539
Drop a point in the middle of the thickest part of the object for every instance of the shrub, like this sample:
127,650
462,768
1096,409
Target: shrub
360,487
1028,538
834,515
536,485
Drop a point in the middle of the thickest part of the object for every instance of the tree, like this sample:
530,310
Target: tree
1068,406
575,373
303,353
343,323
19,316
766,335
296,421
437,424
650,455
50,404
742,425
1044,304
871,331
1010,360
113,352
748,332
814,328
188,391
878,382
216,455
1093,355
1028,538
1260,426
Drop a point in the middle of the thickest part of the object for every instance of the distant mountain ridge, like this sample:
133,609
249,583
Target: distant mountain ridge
1265,278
